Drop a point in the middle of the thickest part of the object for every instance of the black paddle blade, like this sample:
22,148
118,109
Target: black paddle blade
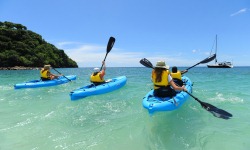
212,109
210,58
216,111
146,63
110,44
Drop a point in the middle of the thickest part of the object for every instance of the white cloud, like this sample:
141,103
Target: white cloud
87,55
61,44
208,53
91,55
239,12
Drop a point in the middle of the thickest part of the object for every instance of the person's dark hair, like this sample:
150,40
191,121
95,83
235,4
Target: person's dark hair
158,72
174,69
95,73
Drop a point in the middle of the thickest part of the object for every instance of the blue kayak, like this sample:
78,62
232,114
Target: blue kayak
40,83
89,90
154,104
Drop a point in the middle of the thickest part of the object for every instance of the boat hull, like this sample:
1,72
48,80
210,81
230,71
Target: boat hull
89,90
219,66
156,104
40,83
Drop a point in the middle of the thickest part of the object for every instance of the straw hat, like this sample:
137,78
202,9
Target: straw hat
47,67
161,64
96,69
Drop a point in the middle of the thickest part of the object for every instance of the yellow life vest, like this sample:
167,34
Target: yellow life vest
164,79
176,75
96,78
44,74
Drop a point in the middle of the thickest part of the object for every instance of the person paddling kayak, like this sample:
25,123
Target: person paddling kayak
46,74
177,74
97,77
164,85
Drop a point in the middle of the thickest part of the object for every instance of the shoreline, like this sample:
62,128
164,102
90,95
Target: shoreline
20,68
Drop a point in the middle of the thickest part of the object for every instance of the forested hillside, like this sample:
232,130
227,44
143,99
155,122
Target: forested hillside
22,47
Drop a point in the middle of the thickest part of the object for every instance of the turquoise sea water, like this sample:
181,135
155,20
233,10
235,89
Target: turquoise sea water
46,118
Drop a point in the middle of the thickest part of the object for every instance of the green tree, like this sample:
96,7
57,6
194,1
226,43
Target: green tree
22,47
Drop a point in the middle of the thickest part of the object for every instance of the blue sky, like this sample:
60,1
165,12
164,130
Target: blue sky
180,32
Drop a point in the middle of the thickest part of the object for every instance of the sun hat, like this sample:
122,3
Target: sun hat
47,67
161,64
96,69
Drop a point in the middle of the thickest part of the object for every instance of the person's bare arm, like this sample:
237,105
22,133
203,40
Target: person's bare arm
177,88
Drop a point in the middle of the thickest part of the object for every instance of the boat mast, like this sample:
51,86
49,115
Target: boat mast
216,48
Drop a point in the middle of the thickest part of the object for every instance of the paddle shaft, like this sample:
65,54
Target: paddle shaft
104,61
148,64
192,66
210,58
62,75
194,97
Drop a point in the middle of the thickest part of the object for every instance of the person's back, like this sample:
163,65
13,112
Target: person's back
176,75
45,74
161,80
97,77
160,77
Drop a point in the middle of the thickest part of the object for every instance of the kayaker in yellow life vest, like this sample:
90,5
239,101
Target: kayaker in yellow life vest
46,74
176,75
164,85
97,77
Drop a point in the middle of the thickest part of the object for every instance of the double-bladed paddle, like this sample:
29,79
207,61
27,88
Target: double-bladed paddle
109,47
212,109
210,58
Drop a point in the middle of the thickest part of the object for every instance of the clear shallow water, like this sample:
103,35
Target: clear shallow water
46,118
